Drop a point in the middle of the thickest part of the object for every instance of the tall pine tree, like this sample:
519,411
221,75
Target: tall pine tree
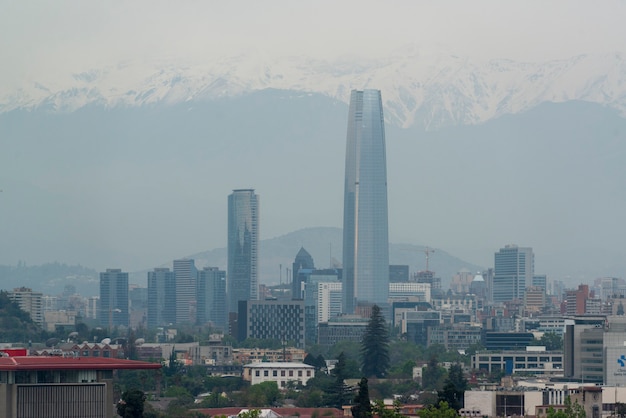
375,345
362,407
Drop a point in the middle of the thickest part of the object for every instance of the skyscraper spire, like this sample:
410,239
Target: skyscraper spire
365,229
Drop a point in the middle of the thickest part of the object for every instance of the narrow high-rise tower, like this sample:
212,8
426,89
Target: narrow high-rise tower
113,299
243,243
365,230
513,270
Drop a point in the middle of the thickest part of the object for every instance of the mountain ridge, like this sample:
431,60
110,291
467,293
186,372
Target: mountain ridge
432,90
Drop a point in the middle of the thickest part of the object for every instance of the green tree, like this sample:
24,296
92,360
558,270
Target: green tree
454,388
375,345
432,375
252,413
442,410
572,410
552,341
381,411
362,407
131,404
339,393
263,394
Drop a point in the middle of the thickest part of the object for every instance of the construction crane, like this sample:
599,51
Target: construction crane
428,251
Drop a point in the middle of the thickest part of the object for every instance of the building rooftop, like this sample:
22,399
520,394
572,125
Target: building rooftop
278,365
71,363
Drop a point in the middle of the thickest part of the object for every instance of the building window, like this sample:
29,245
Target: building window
275,373
106,354
299,373
290,373
266,373
308,373
257,373
282,373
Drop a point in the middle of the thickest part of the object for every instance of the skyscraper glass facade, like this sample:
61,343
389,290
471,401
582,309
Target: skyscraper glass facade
365,229
243,242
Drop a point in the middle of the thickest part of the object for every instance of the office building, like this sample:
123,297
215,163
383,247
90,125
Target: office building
342,328
272,319
113,306
243,243
365,227
409,291
398,273
535,360
322,299
282,373
211,293
161,297
185,273
513,271
302,266
29,301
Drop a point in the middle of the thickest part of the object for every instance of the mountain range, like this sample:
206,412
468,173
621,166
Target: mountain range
129,166
430,89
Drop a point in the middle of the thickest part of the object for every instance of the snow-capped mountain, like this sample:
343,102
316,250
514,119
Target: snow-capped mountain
431,90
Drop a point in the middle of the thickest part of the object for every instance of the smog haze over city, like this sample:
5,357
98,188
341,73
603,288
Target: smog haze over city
125,125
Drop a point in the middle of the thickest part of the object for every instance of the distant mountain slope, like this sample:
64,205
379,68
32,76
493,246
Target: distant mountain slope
132,188
50,278
324,243
420,88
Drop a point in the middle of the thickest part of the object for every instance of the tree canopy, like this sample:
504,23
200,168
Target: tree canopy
375,345
131,404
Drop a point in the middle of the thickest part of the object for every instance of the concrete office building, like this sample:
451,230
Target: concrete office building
30,302
161,298
272,319
365,223
513,271
211,297
113,307
185,273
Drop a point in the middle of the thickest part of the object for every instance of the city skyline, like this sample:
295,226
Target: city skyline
365,222
91,149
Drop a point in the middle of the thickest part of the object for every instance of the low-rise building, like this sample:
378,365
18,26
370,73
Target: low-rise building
281,373
254,355
60,387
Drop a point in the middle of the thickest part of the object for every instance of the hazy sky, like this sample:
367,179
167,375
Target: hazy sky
41,40
46,41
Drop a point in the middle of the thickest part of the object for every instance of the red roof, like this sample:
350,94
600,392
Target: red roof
71,363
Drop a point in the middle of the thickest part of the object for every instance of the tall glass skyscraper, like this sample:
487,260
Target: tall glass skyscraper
243,243
365,229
